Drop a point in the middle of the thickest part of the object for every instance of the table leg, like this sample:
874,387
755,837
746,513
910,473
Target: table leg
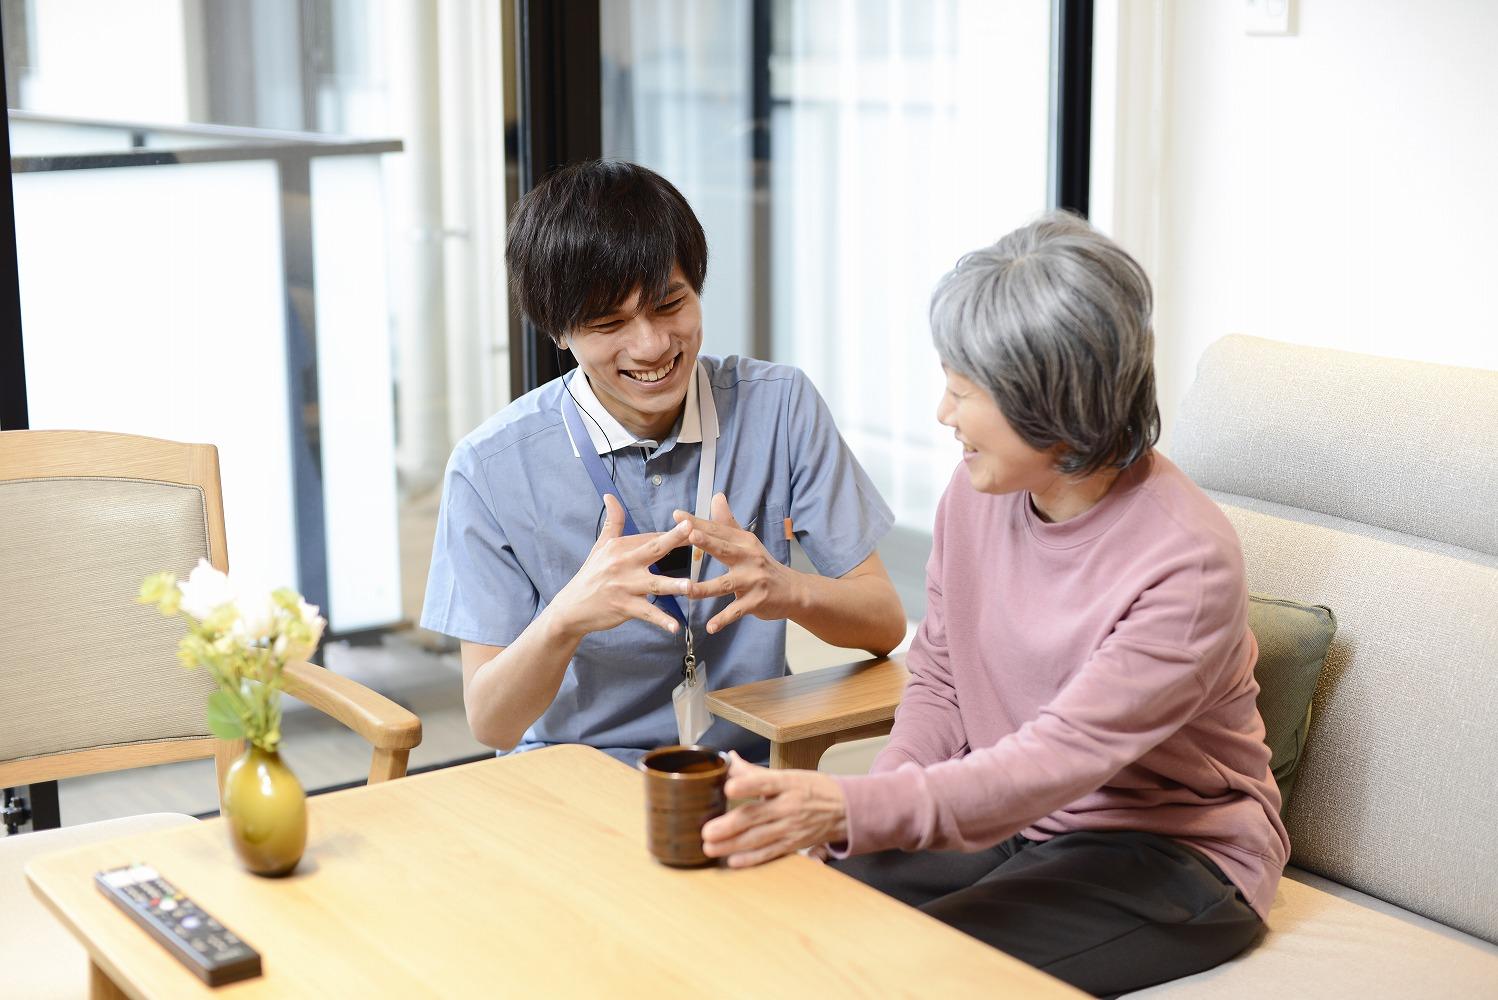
101,987
804,754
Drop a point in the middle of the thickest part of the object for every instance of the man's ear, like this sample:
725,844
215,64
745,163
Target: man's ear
562,343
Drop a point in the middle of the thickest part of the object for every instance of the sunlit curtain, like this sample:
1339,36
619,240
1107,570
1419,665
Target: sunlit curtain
903,134
906,133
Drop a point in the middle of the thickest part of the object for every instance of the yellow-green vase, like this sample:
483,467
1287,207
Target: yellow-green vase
267,812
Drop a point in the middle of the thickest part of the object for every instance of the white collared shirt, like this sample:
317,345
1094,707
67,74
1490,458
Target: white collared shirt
609,435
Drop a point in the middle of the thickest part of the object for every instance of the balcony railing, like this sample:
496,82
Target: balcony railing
234,291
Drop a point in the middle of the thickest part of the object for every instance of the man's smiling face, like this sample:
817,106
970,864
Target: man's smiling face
639,356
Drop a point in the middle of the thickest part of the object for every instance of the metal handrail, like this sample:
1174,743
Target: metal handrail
251,144
198,129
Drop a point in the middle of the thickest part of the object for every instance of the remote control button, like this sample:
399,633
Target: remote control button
191,923
168,905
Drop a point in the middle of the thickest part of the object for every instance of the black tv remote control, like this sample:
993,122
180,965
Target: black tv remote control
199,942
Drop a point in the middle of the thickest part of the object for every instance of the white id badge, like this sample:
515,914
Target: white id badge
690,702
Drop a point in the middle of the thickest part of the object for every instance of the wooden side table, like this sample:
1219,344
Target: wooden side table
804,714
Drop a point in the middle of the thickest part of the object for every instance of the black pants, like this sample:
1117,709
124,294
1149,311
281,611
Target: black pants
1106,912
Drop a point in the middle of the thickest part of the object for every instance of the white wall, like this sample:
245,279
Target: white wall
1336,187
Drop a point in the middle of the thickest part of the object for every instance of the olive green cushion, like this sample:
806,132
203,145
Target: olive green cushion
1293,640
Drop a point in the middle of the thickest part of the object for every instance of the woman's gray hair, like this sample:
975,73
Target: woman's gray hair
1054,321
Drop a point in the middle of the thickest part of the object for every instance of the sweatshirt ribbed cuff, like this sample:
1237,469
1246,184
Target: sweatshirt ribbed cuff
881,812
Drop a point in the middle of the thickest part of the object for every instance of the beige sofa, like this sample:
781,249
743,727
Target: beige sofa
1370,486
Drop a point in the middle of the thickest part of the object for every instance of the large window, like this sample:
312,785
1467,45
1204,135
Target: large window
276,227
842,155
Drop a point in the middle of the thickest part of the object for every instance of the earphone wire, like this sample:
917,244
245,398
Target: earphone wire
613,465
613,460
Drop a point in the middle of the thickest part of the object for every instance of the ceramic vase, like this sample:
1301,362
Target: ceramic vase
266,810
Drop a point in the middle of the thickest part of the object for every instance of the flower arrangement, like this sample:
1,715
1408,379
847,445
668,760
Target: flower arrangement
244,639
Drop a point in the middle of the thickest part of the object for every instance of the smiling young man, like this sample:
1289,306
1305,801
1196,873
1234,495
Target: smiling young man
593,525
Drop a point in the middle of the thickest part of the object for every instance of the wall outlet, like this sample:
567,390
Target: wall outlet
1269,17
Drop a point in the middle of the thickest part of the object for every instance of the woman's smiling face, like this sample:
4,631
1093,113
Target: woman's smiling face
998,460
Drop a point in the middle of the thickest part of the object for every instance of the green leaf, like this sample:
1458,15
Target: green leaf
223,720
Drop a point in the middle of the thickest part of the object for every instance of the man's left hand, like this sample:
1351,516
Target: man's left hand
760,584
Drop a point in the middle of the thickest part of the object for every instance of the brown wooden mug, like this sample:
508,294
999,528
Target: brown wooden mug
683,790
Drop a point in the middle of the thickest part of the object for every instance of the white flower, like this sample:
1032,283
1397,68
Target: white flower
205,591
300,636
309,616
257,617
288,649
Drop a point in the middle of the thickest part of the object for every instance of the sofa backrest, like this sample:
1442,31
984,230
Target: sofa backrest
1370,485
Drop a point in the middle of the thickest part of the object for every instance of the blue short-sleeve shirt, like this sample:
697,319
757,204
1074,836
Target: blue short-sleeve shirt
519,516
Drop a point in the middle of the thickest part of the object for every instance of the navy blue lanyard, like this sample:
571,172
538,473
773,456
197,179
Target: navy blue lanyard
603,484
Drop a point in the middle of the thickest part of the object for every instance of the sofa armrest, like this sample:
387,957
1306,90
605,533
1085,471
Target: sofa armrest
804,714
390,729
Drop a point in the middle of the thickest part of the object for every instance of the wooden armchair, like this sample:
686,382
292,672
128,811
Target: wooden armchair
804,714
89,679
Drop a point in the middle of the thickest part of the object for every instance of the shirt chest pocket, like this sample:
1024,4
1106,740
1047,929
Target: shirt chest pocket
769,527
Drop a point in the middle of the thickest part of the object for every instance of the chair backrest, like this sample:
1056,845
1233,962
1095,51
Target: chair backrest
89,679
1371,486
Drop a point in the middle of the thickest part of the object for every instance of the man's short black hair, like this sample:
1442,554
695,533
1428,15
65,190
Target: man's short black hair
590,234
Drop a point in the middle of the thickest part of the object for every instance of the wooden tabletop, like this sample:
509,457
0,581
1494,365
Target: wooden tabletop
521,876
815,702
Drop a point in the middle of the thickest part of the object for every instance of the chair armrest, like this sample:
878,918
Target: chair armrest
390,729
818,708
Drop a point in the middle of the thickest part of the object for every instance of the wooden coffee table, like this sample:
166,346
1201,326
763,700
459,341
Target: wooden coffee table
521,876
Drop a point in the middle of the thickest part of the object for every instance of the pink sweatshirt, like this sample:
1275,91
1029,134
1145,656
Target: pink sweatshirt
1095,674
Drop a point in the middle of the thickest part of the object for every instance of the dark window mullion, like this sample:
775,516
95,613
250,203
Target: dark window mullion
14,415
561,122
1071,120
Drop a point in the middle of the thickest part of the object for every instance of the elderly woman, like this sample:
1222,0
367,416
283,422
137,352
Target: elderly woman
1077,774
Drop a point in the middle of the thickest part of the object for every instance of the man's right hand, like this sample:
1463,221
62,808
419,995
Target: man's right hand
614,581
